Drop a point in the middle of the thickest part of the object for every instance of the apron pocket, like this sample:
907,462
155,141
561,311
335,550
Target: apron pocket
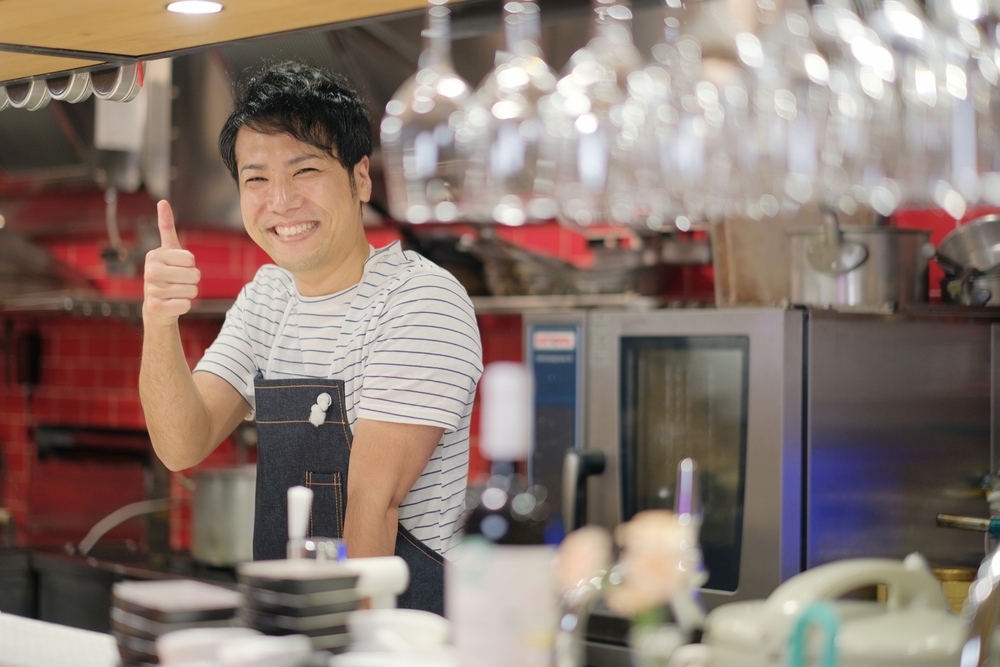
327,519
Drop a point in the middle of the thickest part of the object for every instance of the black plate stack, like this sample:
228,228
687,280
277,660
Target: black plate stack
141,611
307,597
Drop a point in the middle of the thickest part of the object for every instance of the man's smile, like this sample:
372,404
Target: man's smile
291,230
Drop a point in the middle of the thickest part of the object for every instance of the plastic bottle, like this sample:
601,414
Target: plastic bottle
500,589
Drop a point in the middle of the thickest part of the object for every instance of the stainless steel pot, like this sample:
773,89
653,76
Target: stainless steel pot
892,272
222,515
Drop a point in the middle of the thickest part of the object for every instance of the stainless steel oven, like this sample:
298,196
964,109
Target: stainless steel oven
820,435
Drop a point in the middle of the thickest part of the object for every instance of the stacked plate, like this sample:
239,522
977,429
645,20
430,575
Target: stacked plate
307,597
141,611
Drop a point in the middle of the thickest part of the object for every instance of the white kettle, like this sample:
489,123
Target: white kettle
912,629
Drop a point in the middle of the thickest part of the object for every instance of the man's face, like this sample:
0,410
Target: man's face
297,202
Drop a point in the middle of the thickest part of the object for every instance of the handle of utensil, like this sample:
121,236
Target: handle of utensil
822,615
991,526
577,467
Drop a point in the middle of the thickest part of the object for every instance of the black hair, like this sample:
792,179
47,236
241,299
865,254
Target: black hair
310,104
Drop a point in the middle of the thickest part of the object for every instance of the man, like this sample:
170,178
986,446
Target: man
352,360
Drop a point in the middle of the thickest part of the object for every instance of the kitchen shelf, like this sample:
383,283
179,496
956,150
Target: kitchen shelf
131,309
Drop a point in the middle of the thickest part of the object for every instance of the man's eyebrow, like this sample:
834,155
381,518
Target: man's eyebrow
302,158
290,163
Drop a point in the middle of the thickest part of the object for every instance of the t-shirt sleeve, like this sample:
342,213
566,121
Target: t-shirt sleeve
231,355
426,358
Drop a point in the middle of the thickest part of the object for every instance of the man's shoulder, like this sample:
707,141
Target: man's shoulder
396,269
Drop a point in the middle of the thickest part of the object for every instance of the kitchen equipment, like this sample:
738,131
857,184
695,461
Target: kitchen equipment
866,266
223,515
970,257
820,435
913,628
831,253
975,244
143,610
308,597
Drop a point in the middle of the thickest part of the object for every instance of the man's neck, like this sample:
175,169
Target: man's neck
345,275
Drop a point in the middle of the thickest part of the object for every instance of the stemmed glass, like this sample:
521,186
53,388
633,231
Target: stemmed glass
861,143
506,180
789,87
424,172
927,84
579,118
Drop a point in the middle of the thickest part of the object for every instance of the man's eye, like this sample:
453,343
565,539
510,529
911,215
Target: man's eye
305,170
255,179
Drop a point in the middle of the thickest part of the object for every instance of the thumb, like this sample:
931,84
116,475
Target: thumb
165,221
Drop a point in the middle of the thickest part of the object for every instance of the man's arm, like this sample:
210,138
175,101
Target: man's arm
187,416
386,460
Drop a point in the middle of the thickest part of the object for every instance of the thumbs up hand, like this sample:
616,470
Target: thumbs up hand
170,281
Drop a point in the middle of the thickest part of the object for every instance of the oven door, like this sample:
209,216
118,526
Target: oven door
725,388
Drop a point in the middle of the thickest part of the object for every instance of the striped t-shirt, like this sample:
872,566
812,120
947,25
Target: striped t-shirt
405,342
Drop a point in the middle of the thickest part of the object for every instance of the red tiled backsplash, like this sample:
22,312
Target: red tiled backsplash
90,372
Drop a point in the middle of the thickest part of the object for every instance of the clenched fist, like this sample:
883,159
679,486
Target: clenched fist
170,281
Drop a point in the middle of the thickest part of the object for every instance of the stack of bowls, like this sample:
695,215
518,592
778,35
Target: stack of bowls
398,638
141,611
307,597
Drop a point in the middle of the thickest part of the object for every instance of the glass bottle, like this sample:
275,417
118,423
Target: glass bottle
424,174
580,118
500,592
506,182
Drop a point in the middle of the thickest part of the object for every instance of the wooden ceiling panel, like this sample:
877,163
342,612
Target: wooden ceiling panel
24,65
144,27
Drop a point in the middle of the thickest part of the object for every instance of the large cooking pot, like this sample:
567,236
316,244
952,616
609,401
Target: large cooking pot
222,515
880,266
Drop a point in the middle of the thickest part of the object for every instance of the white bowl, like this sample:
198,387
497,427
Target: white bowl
196,644
288,651
398,630
393,660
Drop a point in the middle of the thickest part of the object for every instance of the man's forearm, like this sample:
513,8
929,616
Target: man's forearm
176,416
370,530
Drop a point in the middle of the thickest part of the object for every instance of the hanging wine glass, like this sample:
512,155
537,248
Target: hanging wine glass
928,82
986,93
861,143
423,171
790,102
667,136
580,119
506,181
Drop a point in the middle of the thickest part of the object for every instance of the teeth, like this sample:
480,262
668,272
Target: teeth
294,229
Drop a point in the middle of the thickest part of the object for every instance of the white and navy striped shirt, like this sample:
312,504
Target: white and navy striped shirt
405,342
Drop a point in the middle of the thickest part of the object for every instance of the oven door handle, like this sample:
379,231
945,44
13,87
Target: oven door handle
578,465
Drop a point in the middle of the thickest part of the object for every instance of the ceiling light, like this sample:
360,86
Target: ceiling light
194,7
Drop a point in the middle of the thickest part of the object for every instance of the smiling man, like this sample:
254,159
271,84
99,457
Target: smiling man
359,365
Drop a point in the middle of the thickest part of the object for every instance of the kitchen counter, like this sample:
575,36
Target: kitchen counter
76,590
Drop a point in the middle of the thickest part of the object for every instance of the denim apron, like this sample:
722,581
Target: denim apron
292,451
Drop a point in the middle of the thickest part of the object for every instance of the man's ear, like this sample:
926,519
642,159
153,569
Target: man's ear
363,179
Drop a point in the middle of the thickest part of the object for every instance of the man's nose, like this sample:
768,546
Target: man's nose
283,195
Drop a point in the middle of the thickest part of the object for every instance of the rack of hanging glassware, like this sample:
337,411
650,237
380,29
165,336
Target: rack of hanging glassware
894,106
